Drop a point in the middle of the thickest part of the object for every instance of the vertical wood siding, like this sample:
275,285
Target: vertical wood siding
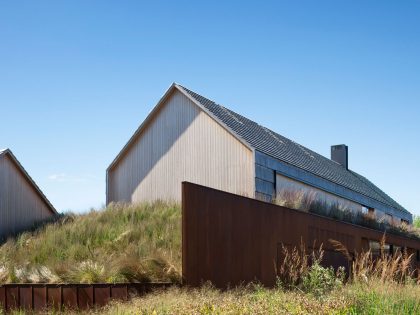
181,143
20,205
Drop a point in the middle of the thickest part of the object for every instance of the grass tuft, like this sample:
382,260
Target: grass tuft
122,243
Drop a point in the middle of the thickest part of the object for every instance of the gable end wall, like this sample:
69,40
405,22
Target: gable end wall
21,207
180,143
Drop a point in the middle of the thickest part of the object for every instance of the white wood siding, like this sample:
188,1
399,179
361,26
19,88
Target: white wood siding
284,183
181,143
20,204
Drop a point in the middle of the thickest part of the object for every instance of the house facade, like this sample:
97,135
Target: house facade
22,204
188,137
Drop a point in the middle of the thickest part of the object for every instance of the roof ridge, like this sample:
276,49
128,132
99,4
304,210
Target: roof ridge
284,149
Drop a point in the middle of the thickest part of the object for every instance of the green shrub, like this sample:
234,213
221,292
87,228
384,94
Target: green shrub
319,280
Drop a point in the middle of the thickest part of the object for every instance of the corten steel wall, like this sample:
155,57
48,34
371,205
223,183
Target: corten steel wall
230,239
40,297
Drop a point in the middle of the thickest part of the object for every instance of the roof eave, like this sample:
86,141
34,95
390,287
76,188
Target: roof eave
174,86
221,123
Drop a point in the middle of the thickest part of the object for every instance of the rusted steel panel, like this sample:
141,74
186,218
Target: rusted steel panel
54,297
119,292
85,296
12,297
43,297
230,239
69,297
2,298
25,297
102,294
40,297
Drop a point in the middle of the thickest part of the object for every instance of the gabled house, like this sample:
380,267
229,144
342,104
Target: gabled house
188,137
22,204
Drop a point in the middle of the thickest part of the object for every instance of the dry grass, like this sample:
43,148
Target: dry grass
310,202
380,286
252,299
385,268
143,243
138,243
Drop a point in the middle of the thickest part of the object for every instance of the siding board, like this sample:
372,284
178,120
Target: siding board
310,179
21,206
181,143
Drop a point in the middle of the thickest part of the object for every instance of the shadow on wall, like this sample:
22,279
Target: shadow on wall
169,123
33,228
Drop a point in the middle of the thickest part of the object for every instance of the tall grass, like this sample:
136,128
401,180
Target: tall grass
384,268
381,286
134,243
310,202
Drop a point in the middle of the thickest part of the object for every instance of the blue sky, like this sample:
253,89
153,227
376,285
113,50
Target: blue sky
78,77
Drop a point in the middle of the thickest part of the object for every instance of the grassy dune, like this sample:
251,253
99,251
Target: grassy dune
118,244
143,243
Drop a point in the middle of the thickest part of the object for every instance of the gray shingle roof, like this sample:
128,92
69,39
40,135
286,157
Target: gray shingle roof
286,150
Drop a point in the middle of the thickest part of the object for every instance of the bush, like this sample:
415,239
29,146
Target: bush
302,271
319,280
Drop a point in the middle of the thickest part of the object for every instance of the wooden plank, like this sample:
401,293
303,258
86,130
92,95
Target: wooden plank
188,144
21,205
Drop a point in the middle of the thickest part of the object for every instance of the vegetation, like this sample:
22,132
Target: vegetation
118,244
377,286
143,243
416,222
309,202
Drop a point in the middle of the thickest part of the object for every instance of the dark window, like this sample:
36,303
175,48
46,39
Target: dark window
368,210
375,248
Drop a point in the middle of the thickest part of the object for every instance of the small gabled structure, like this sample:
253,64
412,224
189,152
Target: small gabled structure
22,203
188,137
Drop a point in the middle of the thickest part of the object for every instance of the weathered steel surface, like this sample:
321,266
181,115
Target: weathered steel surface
40,297
229,239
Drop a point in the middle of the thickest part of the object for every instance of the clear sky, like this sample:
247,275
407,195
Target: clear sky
78,77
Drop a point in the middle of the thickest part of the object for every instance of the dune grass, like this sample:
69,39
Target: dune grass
143,243
121,243
355,298
384,285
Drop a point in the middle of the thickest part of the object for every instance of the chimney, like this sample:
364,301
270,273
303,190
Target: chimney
340,154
